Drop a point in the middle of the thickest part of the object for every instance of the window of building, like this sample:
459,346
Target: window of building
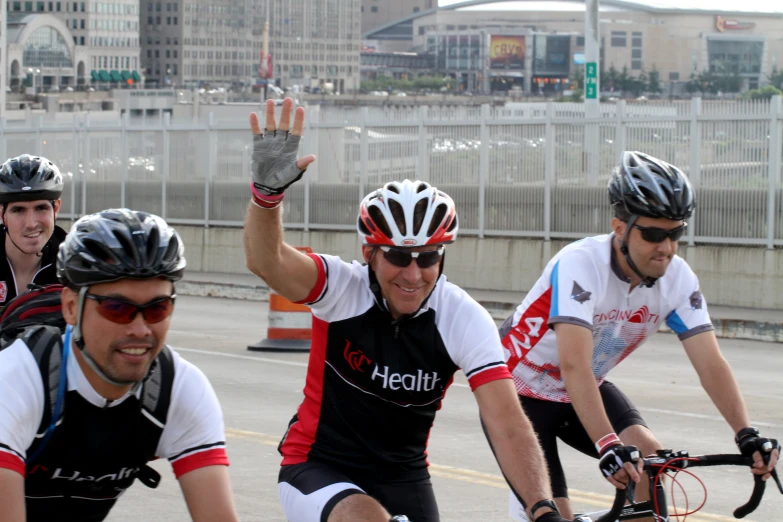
157,53
416,9
619,39
149,53
168,6
176,20
168,20
149,20
51,6
674,76
580,41
374,8
46,47
157,7
157,20
81,23
636,54
636,41
175,53
149,7
175,8
636,65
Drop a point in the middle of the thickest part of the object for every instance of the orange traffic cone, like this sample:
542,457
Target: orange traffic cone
290,324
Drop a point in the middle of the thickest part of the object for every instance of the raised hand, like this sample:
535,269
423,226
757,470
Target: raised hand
274,161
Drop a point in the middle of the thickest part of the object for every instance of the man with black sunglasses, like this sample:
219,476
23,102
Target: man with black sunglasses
388,337
81,415
596,302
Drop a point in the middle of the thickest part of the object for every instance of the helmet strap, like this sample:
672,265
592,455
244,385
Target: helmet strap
78,340
645,280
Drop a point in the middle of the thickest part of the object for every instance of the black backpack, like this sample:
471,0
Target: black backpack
36,318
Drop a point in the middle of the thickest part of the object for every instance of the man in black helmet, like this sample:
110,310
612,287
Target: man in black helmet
30,189
81,416
596,302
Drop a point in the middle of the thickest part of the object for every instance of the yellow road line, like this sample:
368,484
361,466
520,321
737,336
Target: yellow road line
481,478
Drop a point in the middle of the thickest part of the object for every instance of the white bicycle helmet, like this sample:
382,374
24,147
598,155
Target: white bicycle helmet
407,214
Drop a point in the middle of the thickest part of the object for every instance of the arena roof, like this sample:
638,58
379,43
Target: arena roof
403,28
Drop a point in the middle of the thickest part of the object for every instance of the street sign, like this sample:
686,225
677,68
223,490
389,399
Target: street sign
591,81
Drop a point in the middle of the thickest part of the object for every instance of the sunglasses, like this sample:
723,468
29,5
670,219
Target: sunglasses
403,258
659,235
121,311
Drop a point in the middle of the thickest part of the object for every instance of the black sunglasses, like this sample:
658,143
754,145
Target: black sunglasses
402,258
122,311
659,235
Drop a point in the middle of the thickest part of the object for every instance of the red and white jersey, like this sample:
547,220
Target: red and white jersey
583,285
193,435
374,383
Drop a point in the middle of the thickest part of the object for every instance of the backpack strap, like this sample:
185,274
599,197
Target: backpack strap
45,343
156,390
155,401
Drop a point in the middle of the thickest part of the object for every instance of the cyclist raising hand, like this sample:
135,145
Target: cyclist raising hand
388,337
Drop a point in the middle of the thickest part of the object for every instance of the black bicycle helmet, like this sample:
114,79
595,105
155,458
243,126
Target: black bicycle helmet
29,178
117,244
647,186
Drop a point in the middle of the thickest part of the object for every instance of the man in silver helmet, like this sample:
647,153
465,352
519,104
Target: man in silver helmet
30,189
597,301
82,415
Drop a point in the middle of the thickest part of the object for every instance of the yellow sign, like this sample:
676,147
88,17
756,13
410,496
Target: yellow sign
507,52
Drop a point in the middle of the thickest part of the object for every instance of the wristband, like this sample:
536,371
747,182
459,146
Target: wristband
264,201
607,441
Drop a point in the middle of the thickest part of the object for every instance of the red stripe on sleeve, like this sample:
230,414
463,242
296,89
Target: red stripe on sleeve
319,284
488,375
12,462
202,459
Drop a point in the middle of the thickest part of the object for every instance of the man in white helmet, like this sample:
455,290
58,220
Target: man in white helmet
388,337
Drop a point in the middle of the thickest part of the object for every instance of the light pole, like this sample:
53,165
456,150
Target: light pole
33,73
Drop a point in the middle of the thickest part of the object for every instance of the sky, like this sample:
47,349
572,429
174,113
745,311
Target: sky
711,5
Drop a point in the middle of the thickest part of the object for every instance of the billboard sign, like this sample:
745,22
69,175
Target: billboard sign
507,52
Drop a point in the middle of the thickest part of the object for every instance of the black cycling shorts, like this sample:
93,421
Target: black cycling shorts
310,491
553,420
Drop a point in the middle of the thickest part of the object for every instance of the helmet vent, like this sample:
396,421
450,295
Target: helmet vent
453,225
362,227
152,244
98,251
172,251
418,215
128,251
422,187
398,214
392,188
437,218
380,221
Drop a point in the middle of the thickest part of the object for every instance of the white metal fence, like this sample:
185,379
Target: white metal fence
535,170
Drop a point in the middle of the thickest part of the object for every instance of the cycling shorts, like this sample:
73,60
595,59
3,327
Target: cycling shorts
309,492
553,420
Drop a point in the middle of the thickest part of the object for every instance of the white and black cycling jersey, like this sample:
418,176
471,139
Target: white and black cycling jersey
374,384
99,447
583,285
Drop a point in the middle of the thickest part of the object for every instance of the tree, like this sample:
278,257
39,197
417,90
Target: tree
624,79
654,81
763,93
609,79
639,85
776,78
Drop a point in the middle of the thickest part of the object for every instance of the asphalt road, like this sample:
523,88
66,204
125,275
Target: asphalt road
260,391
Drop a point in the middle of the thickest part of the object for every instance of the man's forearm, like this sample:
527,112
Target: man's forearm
722,387
521,459
263,238
586,399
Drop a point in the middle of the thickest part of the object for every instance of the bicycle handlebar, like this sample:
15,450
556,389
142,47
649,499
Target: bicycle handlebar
652,465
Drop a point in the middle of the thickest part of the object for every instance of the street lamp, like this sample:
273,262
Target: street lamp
34,72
